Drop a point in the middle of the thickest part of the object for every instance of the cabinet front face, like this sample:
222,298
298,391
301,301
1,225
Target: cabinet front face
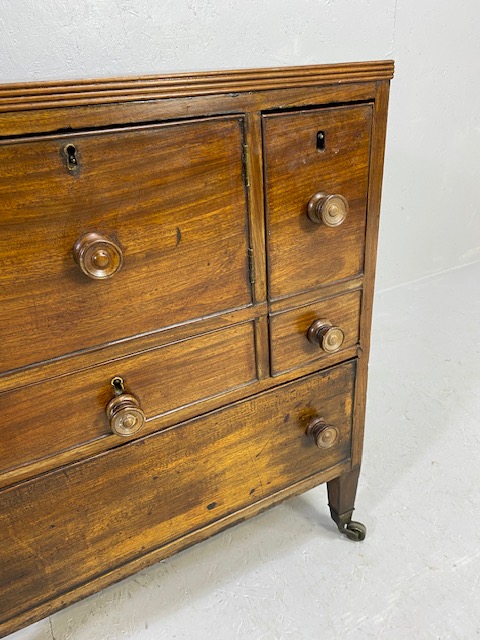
106,235
316,178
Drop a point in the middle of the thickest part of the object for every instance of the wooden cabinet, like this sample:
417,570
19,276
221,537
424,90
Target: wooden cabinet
186,278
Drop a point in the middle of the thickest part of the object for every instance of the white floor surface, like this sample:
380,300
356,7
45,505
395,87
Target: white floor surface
288,574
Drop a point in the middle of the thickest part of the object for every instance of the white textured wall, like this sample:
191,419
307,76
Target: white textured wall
430,209
431,196
60,39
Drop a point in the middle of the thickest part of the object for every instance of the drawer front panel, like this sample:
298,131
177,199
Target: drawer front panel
42,420
66,527
303,254
290,346
172,200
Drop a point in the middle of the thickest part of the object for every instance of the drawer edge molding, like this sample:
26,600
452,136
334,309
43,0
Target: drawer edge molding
135,345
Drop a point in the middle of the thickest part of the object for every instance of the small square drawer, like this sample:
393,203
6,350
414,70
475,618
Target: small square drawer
315,332
84,519
111,234
42,420
316,180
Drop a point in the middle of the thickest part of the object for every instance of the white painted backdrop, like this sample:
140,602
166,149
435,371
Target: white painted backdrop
430,213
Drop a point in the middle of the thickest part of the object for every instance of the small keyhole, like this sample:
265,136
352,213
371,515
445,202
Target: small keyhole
118,386
321,141
71,156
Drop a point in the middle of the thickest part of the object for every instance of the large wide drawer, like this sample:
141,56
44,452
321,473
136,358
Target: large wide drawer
68,526
42,420
308,153
169,200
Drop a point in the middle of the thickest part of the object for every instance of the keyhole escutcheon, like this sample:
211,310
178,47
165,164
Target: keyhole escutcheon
71,157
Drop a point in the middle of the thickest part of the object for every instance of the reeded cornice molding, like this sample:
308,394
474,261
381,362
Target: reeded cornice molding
38,95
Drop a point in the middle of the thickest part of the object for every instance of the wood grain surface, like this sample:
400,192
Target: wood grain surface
71,525
303,255
290,347
23,119
172,197
43,420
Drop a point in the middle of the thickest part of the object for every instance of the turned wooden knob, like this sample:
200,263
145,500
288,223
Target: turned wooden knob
124,413
330,210
97,256
328,337
325,435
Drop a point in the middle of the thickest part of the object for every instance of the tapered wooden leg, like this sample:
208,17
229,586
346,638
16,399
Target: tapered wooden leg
341,500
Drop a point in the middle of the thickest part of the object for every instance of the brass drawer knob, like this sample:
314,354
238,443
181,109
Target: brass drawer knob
124,413
325,435
330,210
328,337
97,256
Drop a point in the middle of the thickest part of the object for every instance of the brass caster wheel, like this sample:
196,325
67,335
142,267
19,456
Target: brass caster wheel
355,531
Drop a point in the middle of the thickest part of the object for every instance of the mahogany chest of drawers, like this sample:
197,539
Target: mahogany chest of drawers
186,278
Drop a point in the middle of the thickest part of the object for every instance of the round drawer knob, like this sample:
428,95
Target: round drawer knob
97,256
330,210
328,337
325,435
124,413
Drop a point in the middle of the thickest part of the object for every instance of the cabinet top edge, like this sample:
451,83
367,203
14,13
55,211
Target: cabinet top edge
32,95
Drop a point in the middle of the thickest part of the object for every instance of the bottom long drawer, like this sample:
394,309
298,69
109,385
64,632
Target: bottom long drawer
76,523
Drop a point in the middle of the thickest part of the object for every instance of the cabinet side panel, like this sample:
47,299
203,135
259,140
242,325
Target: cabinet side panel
373,213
